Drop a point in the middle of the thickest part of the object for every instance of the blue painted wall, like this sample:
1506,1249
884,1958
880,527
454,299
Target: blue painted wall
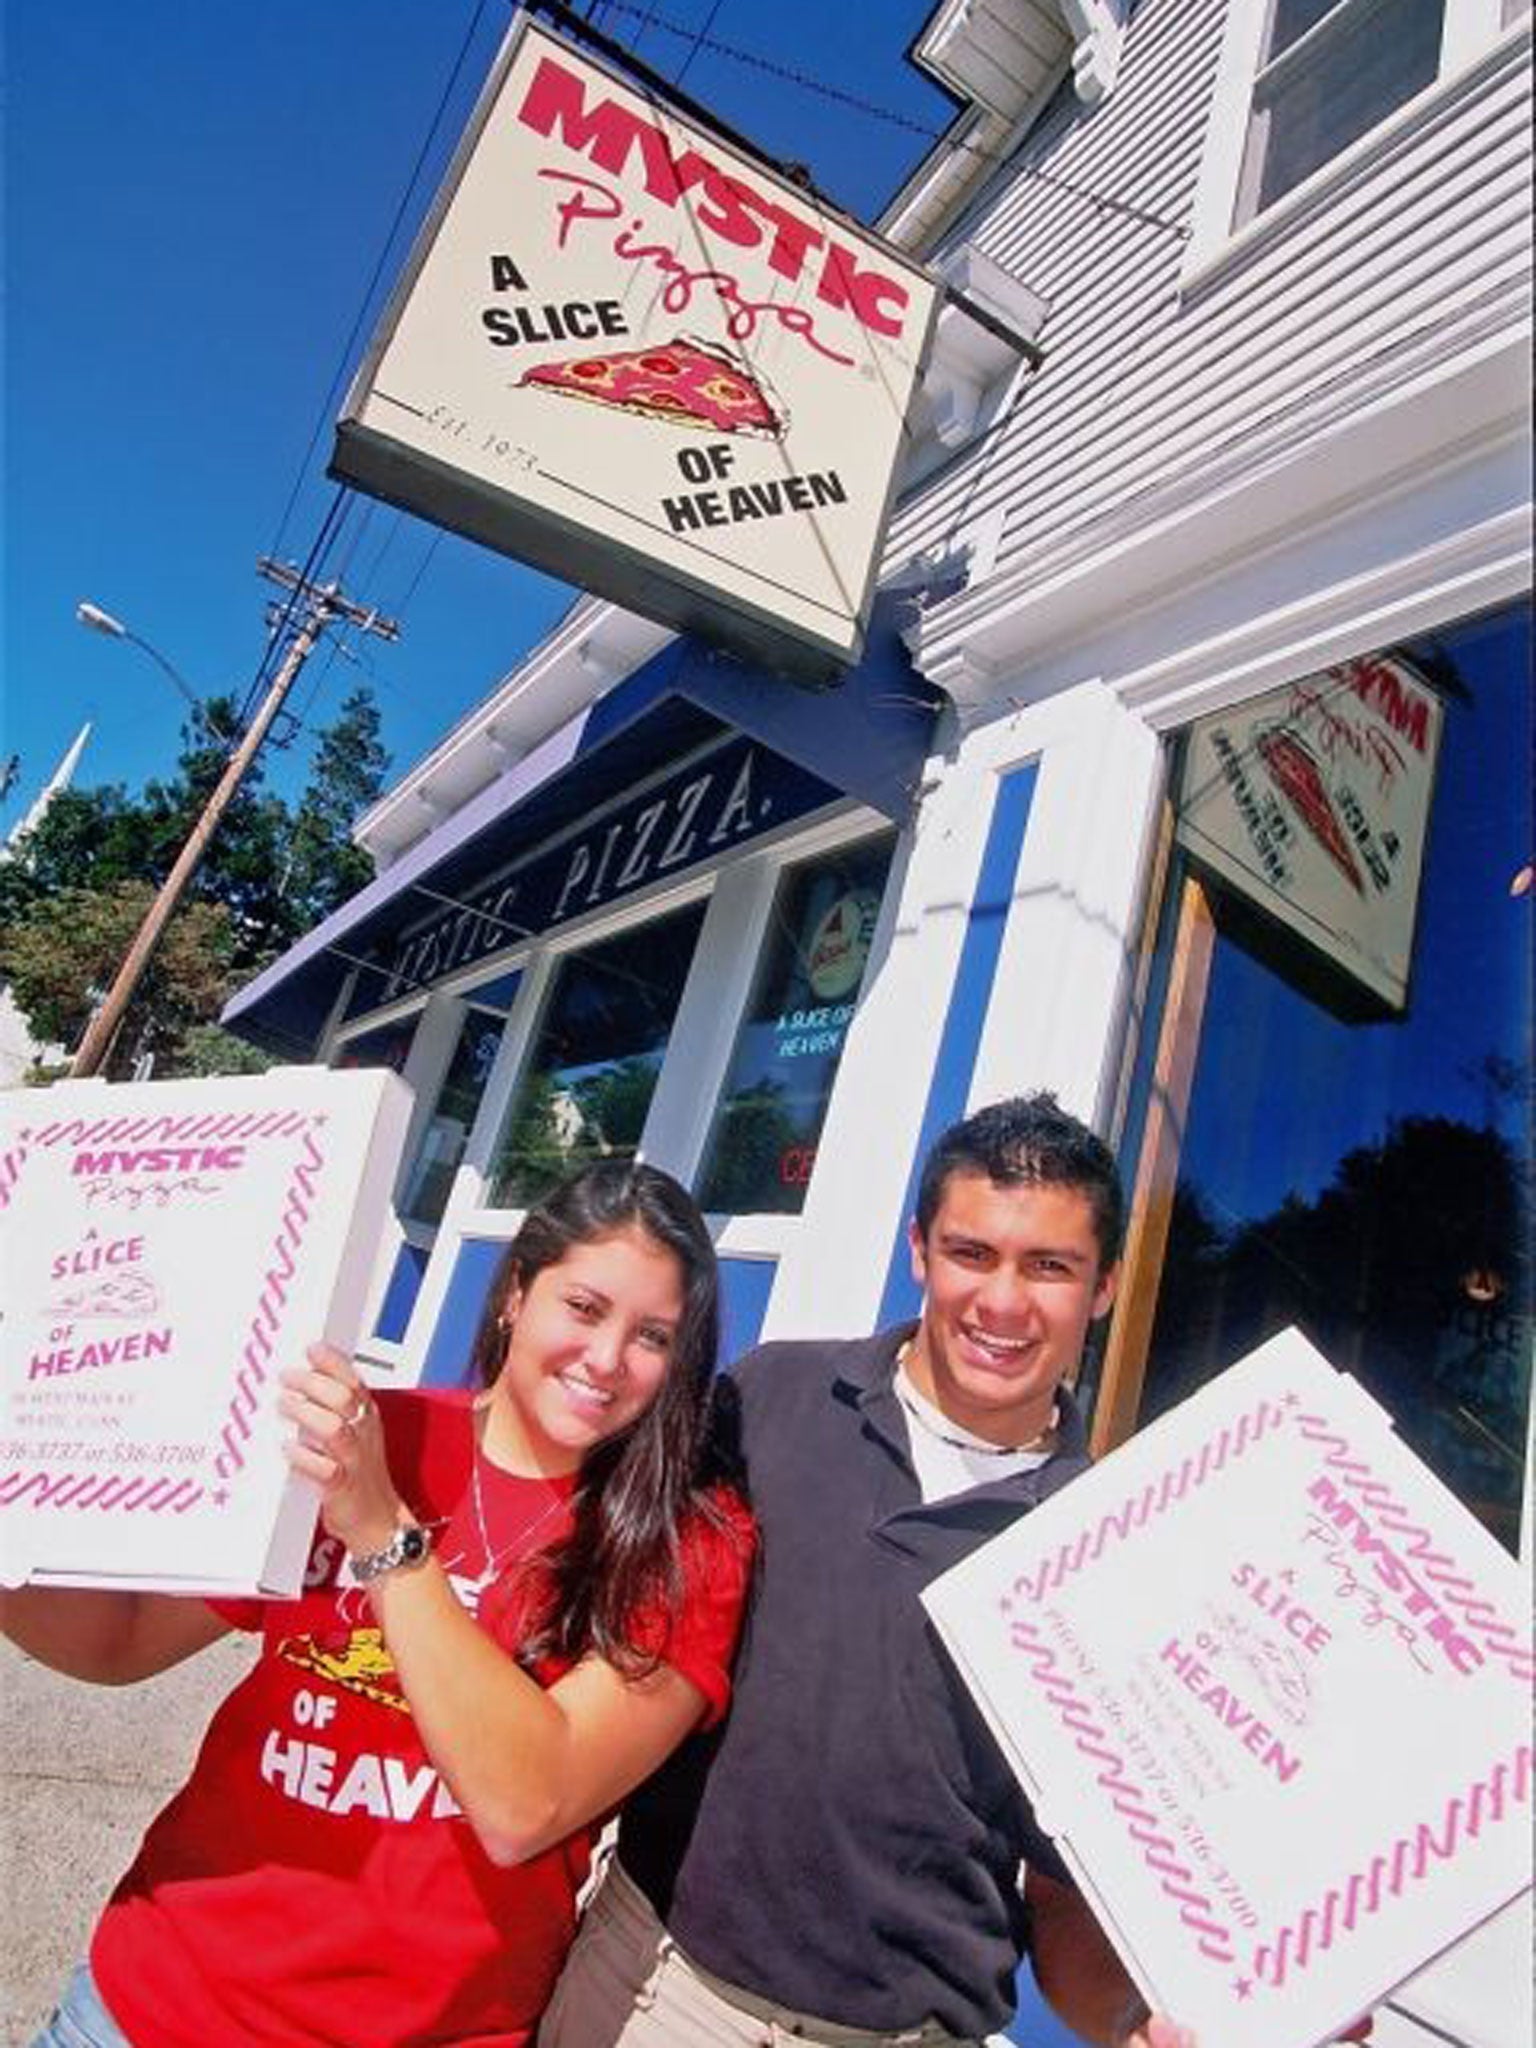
447,1360
400,1295
950,1083
745,1285
1034,2025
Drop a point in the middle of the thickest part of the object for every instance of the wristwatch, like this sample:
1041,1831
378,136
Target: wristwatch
409,1545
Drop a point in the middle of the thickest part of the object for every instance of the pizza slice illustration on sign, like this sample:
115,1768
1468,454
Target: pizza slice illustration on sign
684,383
1297,775
132,1296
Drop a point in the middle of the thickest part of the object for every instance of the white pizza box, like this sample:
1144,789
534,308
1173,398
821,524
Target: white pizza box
1269,1685
168,1248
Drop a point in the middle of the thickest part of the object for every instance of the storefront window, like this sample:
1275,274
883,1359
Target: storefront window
1359,1163
442,1144
1332,71
588,1083
388,1045
763,1143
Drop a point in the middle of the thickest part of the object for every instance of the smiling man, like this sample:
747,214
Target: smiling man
1013,1274
841,1864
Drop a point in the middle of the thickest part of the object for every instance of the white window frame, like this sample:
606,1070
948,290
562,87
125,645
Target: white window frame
1472,39
439,1017
740,892
431,1045
757,1233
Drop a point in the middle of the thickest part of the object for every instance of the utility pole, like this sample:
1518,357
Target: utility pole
322,603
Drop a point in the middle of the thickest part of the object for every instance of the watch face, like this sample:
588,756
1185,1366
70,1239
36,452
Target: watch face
406,1546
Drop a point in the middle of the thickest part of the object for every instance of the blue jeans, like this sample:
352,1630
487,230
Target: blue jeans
80,2020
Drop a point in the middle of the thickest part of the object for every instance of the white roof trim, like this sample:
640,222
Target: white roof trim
1003,59
998,53
1097,32
593,647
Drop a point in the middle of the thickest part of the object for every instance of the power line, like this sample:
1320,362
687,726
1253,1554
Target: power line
700,39
341,506
698,43
318,548
421,568
364,308
321,605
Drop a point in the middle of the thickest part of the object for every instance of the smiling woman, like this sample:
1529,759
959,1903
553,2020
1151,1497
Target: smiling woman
520,1602
587,1346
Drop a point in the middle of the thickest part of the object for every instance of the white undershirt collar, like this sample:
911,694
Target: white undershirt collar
949,1458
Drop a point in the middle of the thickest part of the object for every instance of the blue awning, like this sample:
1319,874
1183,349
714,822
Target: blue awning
865,738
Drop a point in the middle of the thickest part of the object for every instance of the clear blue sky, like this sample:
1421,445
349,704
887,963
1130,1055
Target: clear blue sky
196,199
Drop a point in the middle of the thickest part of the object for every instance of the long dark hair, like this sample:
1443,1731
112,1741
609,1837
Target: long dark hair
635,1490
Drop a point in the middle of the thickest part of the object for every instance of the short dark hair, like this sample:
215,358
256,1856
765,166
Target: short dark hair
1029,1141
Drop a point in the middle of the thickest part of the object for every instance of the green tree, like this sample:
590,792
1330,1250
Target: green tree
87,839
243,866
755,1131
530,1157
614,1103
270,873
324,868
61,955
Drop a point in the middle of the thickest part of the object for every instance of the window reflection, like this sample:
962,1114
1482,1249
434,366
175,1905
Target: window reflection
1369,1177
387,1045
1332,73
762,1147
453,1115
587,1086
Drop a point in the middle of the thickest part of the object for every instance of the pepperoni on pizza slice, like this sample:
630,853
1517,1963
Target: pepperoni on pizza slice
682,382
1297,774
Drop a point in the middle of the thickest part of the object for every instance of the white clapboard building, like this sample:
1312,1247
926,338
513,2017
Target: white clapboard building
1186,772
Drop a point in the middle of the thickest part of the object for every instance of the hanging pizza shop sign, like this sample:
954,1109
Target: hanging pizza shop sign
1313,801
639,359
642,361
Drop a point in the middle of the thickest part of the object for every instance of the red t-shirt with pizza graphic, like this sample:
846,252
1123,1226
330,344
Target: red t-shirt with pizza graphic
315,1881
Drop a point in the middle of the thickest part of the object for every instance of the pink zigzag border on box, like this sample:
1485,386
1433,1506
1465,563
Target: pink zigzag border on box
1387,1875
95,1489
11,1164
1456,1589
1229,1443
1196,1910
198,1128
64,1489
258,1350
68,1489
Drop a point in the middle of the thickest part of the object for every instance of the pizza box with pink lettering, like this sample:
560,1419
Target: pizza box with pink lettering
1269,1685
168,1248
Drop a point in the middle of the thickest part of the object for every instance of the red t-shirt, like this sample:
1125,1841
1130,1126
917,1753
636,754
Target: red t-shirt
315,1881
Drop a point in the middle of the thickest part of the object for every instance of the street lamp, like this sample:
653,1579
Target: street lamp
98,621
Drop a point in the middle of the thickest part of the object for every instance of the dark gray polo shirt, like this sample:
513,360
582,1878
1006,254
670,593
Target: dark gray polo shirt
848,1844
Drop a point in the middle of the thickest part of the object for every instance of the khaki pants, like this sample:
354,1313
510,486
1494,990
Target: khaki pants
627,1985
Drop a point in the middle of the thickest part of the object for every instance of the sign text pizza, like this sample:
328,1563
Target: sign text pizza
628,352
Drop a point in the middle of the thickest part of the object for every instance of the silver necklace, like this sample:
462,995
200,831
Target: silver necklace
1045,1440
493,1562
